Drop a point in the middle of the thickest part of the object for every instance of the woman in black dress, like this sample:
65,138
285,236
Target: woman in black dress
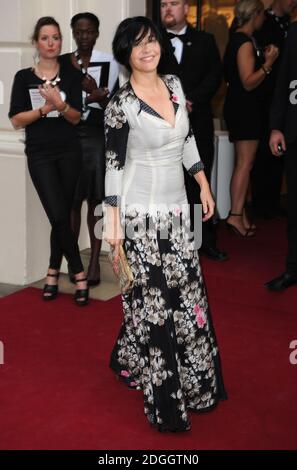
46,101
99,74
245,68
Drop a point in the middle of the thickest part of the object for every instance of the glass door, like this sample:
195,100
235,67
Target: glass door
214,16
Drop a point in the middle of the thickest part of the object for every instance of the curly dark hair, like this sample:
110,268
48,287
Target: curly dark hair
85,16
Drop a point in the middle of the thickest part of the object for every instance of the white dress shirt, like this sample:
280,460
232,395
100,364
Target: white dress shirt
178,44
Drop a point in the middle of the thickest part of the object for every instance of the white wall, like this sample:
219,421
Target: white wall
17,20
24,229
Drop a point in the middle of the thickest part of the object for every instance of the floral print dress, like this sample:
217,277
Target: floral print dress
166,346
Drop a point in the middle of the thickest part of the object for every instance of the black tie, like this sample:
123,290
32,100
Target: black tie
182,37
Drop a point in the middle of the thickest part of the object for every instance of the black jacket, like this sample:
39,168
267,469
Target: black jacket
283,114
272,32
200,72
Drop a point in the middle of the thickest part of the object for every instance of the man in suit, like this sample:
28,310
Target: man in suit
194,57
283,140
266,197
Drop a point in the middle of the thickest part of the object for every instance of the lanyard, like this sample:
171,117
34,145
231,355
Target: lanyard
258,49
80,63
85,72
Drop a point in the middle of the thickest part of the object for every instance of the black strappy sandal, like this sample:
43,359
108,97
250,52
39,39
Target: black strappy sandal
50,291
248,233
252,226
81,296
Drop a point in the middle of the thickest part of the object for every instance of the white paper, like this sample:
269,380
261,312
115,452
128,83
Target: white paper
94,72
37,101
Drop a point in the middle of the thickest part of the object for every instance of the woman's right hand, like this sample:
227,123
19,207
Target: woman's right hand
271,53
113,231
115,245
52,95
47,107
277,143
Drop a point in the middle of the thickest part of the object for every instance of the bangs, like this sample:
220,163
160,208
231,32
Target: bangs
129,34
143,33
140,28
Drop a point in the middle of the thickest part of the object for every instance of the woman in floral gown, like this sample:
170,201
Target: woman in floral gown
166,346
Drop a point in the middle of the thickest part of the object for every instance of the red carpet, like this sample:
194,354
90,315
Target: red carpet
57,392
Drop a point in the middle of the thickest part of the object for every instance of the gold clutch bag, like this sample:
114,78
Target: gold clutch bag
122,270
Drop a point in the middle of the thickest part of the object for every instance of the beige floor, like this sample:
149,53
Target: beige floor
107,289
7,289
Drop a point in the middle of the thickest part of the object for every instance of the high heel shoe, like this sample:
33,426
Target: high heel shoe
128,380
248,232
81,296
50,291
251,226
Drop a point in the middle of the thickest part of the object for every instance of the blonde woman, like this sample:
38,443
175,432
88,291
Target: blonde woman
246,67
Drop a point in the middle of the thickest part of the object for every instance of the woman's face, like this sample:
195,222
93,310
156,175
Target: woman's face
49,42
85,35
259,19
146,54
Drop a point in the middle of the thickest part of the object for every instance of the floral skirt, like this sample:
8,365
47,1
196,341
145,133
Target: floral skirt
167,346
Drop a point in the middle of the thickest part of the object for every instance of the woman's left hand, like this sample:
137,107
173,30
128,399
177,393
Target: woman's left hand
51,95
100,95
208,203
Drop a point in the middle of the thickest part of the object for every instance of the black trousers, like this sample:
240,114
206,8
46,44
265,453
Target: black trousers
291,177
267,174
55,178
206,151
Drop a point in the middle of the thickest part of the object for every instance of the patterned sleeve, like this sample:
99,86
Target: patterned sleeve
116,138
191,157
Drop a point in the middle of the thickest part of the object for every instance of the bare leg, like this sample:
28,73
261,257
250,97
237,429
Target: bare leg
246,221
94,267
245,155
